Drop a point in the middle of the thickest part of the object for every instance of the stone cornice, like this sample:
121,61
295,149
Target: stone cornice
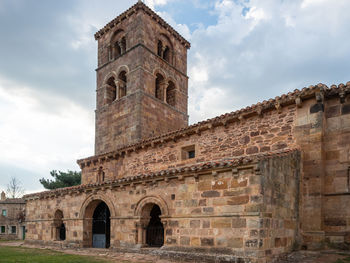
296,97
140,6
180,173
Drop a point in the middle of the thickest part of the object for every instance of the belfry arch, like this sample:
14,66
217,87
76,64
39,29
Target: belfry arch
150,226
96,213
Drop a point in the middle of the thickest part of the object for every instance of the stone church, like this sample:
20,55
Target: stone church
245,186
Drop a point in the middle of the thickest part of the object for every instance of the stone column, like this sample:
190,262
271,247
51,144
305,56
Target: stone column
139,233
122,47
164,87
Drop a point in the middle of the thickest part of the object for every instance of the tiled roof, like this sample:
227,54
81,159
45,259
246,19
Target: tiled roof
295,97
13,201
133,10
169,173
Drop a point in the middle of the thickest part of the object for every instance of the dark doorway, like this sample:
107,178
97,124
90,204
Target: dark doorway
62,231
155,229
23,232
101,227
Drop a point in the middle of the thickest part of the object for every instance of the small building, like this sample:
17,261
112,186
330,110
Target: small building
12,218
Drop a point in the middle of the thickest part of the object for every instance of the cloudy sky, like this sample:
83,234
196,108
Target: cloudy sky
243,51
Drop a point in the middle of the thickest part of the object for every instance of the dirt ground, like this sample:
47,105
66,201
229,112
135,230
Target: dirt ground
330,256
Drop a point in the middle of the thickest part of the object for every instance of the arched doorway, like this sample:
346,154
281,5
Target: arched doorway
59,227
101,226
150,226
96,212
155,229
62,232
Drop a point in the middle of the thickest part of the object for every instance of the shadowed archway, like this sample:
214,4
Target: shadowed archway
97,225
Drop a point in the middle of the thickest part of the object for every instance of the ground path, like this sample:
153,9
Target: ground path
330,256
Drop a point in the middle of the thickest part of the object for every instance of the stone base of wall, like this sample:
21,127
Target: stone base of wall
9,237
213,255
59,244
313,240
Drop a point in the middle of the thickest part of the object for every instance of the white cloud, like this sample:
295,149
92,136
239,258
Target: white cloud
153,3
41,132
181,28
271,48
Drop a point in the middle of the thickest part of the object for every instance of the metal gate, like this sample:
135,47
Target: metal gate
155,235
101,227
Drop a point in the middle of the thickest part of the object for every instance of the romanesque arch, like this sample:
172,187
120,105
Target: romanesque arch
150,227
165,48
142,204
117,44
58,226
96,212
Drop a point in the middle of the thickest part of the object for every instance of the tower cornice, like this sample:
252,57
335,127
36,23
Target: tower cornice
140,6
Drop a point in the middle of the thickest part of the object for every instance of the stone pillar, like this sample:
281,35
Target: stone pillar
139,229
121,88
122,47
165,87
309,131
3,196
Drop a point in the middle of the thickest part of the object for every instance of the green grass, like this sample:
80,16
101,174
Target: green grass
345,260
30,255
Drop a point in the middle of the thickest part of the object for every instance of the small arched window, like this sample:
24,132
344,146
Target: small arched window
165,48
159,93
117,50
166,54
159,49
111,92
170,93
122,45
122,84
117,45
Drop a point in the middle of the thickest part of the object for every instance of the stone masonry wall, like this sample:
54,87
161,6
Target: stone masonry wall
279,227
219,211
322,131
14,217
271,132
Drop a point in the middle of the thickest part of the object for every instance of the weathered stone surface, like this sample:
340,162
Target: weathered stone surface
210,194
207,241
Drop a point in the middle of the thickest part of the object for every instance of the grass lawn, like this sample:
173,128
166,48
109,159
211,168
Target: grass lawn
19,255
345,260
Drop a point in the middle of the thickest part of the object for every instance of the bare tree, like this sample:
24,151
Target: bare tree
14,188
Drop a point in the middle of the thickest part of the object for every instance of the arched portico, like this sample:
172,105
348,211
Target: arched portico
58,226
150,226
96,213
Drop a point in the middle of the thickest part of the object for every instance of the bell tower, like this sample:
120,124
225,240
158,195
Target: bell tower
142,81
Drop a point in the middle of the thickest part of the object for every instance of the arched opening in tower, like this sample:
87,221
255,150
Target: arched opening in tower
159,87
170,93
122,84
112,90
166,54
155,229
101,226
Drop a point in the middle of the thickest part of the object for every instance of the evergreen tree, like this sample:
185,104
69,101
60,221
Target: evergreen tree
61,179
